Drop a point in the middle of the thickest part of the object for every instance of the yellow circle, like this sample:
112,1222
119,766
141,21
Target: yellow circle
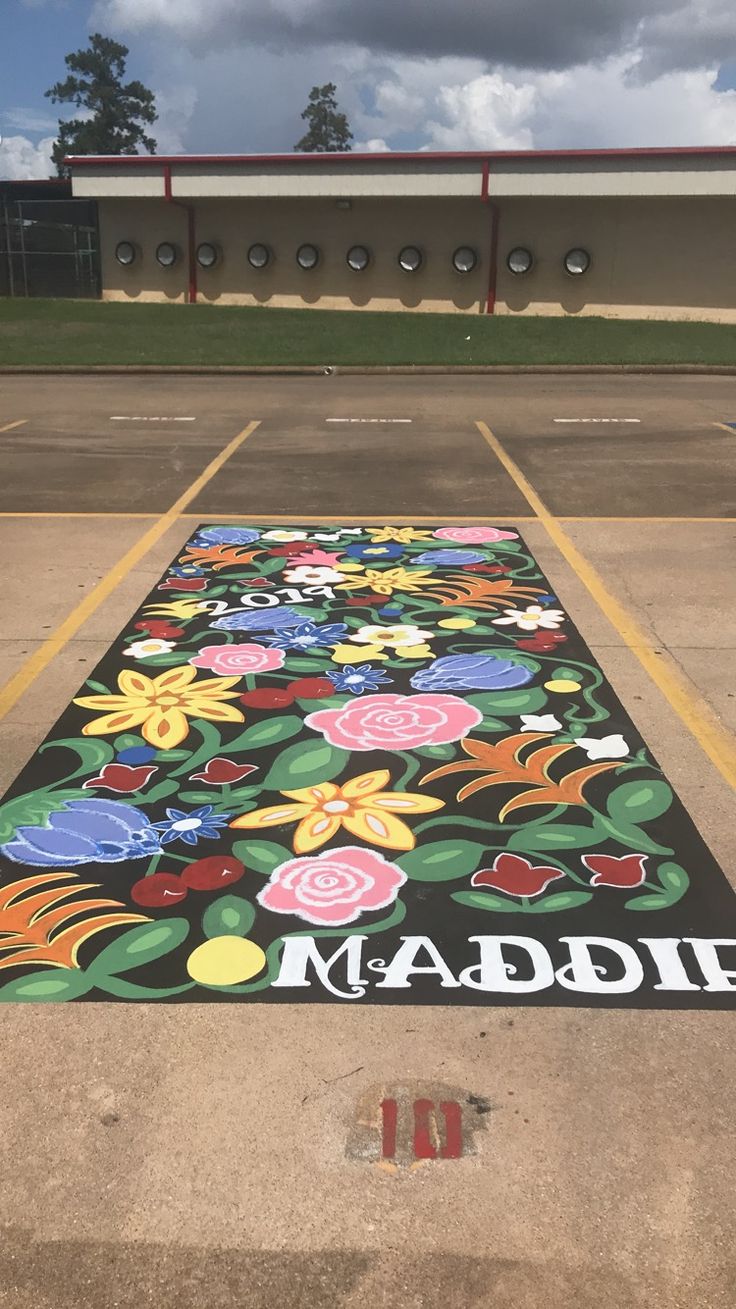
225,960
457,623
561,684
350,568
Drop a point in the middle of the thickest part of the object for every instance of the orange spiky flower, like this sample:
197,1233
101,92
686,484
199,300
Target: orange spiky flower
32,920
219,556
459,589
503,766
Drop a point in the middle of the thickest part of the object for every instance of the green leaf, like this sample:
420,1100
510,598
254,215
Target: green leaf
32,810
160,791
92,754
483,900
211,743
141,945
324,702
169,756
442,861
648,902
638,802
261,856
231,915
300,664
269,730
674,879
167,659
47,986
97,686
306,764
435,751
127,741
522,700
553,836
552,904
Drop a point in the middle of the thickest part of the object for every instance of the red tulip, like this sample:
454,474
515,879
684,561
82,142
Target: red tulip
122,777
368,600
267,699
213,872
219,771
311,688
288,548
159,890
257,581
624,871
542,643
516,876
159,628
485,568
183,584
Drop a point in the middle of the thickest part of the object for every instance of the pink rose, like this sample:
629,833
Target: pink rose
237,660
474,535
396,722
334,887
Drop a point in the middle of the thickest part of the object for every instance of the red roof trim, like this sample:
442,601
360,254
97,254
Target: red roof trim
398,157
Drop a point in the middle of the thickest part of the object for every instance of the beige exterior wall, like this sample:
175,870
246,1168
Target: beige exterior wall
651,257
437,226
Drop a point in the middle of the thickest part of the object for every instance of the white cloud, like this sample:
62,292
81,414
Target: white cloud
28,120
23,160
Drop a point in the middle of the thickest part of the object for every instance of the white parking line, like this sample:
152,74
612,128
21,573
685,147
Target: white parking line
596,420
147,418
368,420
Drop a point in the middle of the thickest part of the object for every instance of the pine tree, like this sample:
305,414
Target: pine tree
328,128
118,112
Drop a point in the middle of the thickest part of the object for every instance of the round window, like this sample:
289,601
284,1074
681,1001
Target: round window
125,253
207,255
577,261
519,260
167,254
464,259
259,255
410,259
307,256
358,258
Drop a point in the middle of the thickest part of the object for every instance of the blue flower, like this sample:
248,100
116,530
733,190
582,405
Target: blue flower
259,620
306,635
225,536
186,570
451,557
380,552
136,754
85,832
466,672
180,826
360,679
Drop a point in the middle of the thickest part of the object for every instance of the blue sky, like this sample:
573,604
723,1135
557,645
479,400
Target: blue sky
235,77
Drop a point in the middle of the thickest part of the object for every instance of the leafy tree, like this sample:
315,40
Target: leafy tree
117,112
328,128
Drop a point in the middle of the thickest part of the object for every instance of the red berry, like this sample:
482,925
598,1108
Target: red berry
213,872
267,699
311,688
158,890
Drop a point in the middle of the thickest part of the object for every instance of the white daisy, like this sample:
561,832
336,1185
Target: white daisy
531,618
145,649
305,575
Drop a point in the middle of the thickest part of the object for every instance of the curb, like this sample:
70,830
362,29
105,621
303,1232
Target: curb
358,370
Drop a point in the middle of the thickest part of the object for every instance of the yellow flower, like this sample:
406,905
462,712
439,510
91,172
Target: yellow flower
177,608
385,581
160,705
404,535
347,654
360,806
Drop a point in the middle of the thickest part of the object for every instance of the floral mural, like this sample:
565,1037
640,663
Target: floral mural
319,743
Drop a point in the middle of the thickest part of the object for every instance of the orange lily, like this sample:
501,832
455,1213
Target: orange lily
32,920
360,806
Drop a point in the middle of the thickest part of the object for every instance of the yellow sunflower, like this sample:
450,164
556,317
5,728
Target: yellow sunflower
360,806
161,705
404,535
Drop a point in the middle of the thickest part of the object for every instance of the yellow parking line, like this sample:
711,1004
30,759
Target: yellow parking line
36,663
714,739
9,426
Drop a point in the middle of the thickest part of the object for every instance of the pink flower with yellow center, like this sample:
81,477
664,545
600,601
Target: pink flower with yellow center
361,806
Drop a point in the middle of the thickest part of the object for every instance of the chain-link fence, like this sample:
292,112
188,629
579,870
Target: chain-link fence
48,248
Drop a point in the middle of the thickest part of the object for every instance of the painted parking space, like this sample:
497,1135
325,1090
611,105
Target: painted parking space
351,765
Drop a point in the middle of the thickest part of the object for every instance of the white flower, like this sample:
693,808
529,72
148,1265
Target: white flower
608,747
531,618
145,649
285,535
540,723
326,536
403,634
306,575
